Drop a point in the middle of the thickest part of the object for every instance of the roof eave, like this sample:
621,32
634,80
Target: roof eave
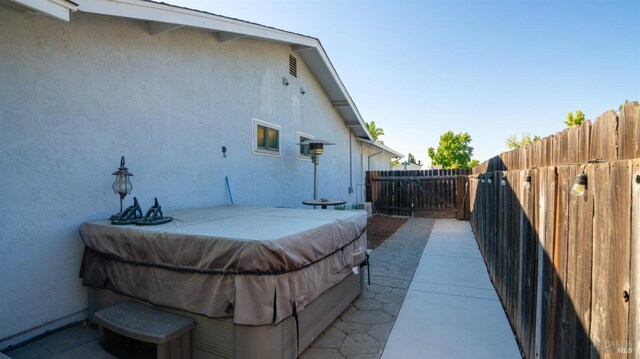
59,9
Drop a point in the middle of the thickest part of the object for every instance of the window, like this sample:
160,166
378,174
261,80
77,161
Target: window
305,152
266,138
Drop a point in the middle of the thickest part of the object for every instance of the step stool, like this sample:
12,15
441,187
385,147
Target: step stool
168,332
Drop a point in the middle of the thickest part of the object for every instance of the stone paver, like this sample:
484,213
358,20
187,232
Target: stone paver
360,344
366,323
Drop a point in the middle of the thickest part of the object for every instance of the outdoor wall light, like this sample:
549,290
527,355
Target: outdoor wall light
317,148
527,181
503,182
482,179
122,185
285,82
489,180
580,185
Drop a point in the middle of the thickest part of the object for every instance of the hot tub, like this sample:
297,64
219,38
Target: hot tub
260,282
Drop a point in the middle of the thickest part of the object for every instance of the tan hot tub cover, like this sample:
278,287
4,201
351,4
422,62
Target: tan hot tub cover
254,264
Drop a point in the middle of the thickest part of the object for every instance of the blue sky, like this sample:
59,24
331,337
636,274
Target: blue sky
489,68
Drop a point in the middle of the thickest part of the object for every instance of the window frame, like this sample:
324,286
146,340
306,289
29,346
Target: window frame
265,151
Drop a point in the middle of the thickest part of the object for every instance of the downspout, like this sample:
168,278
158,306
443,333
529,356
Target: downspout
369,165
350,165
369,159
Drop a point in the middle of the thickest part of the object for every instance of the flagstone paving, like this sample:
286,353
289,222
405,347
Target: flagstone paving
361,331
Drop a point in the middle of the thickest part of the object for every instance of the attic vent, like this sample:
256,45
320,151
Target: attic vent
293,66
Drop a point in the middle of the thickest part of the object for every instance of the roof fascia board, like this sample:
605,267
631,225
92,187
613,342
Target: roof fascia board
150,11
59,9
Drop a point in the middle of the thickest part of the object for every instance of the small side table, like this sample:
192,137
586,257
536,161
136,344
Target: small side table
324,204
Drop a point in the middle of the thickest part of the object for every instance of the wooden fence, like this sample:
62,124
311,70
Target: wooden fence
441,193
566,268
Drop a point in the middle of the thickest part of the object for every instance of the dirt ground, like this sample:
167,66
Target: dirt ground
381,227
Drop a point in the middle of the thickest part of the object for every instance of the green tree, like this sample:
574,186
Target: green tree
574,120
453,151
412,160
473,163
513,142
376,132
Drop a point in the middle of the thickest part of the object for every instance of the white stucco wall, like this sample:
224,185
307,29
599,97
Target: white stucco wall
76,96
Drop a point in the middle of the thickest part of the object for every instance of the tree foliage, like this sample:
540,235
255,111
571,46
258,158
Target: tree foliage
376,132
574,120
412,160
514,142
453,151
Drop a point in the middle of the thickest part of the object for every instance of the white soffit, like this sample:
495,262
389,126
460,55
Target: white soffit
56,8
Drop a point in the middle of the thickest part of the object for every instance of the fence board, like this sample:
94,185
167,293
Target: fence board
604,137
560,302
579,273
584,142
611,255
546,189
628,132
634,312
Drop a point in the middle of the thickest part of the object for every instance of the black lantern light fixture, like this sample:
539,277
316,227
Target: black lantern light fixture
527,181
122,185
580,185
316,147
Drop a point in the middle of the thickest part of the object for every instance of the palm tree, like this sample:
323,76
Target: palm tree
375,131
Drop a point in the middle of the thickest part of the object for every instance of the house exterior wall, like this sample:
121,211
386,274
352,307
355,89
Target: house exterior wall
76,96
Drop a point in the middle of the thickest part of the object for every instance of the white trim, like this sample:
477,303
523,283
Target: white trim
55,8
305,135
254,141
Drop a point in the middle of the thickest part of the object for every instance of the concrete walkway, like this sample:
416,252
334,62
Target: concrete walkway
451,309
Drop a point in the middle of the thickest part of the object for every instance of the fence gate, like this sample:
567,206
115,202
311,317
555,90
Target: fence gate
429,193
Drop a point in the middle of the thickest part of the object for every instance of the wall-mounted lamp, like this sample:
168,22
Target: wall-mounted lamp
482,179
489,180
503,181
580,185
285,81
527,181
122,185
224,151
302,91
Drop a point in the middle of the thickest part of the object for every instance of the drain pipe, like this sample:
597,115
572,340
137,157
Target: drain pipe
369,159
369,167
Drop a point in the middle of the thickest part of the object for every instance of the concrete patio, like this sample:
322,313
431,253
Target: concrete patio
447,309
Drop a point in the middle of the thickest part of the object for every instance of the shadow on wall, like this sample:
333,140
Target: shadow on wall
565,266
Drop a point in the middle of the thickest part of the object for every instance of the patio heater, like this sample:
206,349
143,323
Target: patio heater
122,185
316,147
